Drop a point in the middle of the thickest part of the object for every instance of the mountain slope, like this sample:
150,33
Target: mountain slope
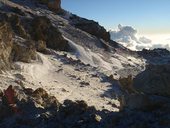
55,50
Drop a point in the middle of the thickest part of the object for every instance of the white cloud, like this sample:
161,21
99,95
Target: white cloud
127,36
145,40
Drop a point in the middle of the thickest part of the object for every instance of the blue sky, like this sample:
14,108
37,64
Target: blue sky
147,16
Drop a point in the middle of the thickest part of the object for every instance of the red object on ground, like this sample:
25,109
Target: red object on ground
10,97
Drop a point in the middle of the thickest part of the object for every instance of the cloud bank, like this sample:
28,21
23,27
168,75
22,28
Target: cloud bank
127,36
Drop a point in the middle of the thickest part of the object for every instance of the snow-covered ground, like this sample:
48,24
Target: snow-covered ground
68,78
61,80
82,74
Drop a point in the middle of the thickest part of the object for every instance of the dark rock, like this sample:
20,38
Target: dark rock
16,25
54,5
23,51
84,83
6,45
14,49
18,11
154,80
41,46
127,84
155,52
46,32
90,27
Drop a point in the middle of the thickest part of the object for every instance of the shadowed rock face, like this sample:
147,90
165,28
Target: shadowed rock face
42,30
5,45
154,80
16,25
10,48
23,51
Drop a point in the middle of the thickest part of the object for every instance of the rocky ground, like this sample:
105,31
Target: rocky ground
57,72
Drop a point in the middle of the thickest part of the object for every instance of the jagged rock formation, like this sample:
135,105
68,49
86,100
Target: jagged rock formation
17,26
46,32
13,49
5,45
91,27
19,41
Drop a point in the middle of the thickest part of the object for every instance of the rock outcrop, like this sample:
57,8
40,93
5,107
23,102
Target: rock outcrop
127,84
149,106
6,45
91,27
54,5
24,51
15,48
16,25
43,30
154,80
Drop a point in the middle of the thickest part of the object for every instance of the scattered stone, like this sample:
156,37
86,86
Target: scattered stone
64,90
59,70
83,83
98,118
20,76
